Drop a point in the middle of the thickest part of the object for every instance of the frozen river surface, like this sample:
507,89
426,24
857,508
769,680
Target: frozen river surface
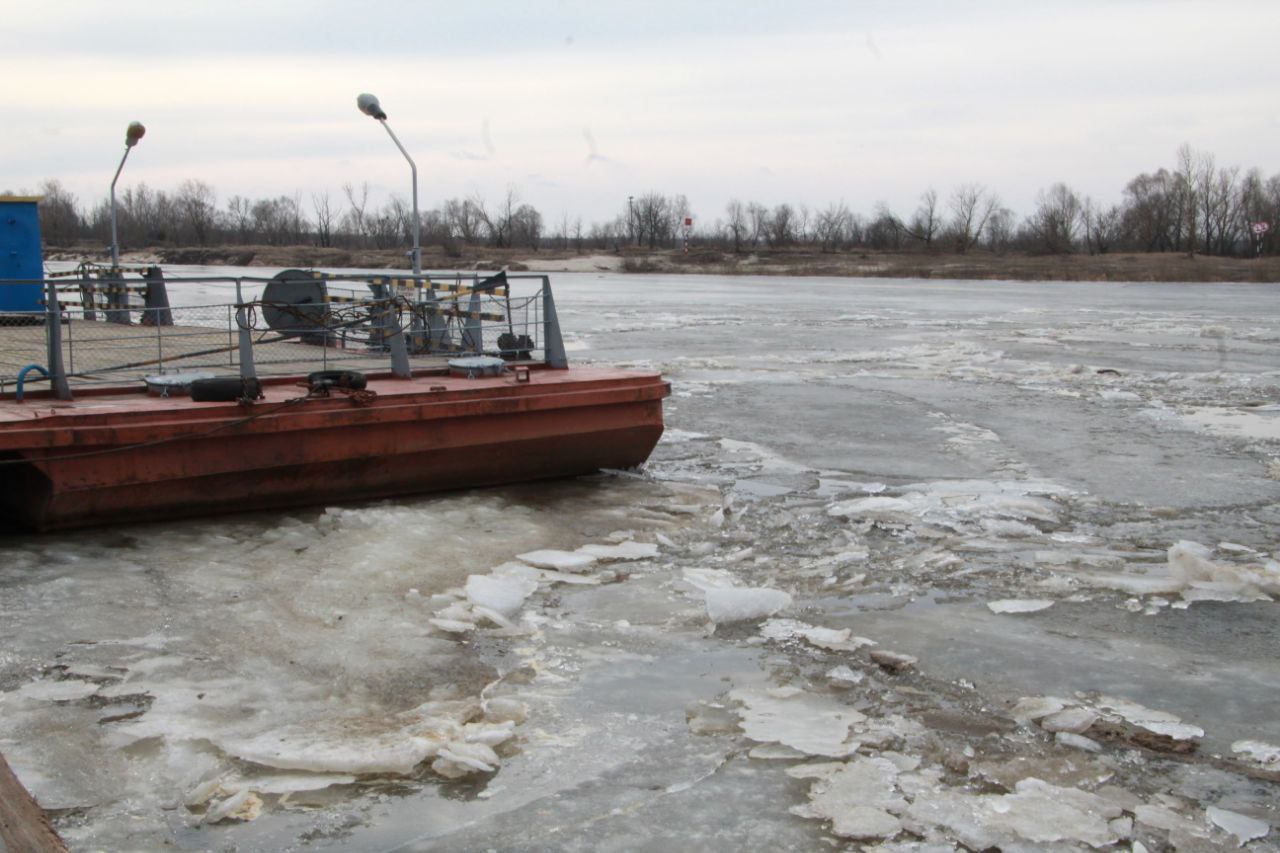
918,565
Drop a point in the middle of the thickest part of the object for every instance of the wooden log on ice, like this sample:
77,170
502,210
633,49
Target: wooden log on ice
23,824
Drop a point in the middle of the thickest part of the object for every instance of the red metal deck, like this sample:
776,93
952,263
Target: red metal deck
123,455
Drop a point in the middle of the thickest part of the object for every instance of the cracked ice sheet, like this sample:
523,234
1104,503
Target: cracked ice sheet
230,630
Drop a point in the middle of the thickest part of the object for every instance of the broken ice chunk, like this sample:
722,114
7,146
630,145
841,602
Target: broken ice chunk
245,806
1243,827
504,595
858,799
1034,707
815,725
844,677
620,551
503,709
290,783
1206,580
1266,754
1077,741
1037,811
893,661
48,690
460,759
825,638
775,752
453,626
1019,605
1160,722
738,604
879,508
705,579
1074,720
561,561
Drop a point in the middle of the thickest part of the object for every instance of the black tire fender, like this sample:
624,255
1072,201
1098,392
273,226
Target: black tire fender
225,389
353,380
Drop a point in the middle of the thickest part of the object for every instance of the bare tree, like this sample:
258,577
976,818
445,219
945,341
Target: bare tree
971,207
240,216
758,217
781,226
1149,211
885,231
926,221
197,207
60,221
526,227
1102,226
359,201
323,208
1191,166
831,226
1052,228
737,222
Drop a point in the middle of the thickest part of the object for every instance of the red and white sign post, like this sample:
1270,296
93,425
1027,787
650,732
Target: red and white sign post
688,227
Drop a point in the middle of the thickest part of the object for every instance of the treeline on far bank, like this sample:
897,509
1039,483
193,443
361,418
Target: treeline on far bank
1194,206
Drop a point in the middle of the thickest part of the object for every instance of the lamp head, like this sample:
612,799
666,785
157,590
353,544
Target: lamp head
369,105
133,134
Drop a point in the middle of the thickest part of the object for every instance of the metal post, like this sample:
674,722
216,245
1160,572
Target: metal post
474,334
132,134
245,340
157,299
53,338
553,343
435,324
115,243
417,227
394,337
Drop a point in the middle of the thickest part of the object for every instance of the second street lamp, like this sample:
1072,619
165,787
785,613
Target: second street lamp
134,132
368,104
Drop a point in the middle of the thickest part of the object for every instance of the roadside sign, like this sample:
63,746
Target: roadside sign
1261,228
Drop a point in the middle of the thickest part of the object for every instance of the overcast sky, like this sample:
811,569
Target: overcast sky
580,104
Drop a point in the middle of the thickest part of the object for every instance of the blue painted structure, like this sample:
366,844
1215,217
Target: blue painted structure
21,254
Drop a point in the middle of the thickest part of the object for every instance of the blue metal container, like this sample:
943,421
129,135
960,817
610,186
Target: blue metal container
21,254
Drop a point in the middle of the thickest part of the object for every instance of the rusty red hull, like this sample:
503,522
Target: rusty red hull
128,457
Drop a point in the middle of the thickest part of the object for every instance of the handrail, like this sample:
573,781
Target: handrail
98,329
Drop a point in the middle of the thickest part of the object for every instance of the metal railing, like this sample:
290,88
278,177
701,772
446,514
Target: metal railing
99,327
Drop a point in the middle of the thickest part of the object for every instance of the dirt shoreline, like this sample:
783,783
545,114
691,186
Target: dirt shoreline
1146,267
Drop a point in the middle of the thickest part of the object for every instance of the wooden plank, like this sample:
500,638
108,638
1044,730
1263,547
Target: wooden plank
23,824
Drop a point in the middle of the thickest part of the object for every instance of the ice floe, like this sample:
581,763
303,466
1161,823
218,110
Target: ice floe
860,798
1036,812
739,604
1019,605
1266,754
1243,827
826,638
814,725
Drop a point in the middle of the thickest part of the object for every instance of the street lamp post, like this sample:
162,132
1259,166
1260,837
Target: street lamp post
631,218
368,104
131,137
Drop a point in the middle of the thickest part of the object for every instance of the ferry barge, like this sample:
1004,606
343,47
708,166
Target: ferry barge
305,388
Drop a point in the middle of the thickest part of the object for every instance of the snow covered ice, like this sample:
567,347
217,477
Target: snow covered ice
917,565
